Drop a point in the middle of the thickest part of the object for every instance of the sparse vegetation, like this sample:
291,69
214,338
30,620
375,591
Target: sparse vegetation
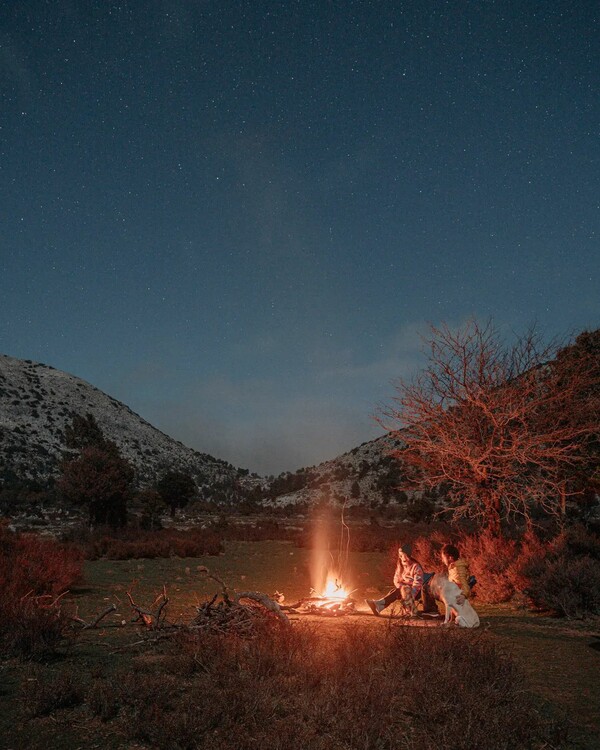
298,689
350,683
130,543
34,572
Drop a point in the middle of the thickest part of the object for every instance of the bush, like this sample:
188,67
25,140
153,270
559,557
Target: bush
103,699
30,564
580,542
31,627
259,531
42,693
490,559
567,586
562,575
135,543
427,550
33,573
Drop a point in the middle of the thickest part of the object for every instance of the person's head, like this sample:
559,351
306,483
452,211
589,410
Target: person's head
404,553
450,554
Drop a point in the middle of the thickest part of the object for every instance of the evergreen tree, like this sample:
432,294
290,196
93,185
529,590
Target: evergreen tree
98,478
176,489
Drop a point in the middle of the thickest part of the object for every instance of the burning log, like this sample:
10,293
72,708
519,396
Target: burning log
334,601
329,606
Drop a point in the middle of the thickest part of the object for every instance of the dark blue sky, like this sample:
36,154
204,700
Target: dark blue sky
236,217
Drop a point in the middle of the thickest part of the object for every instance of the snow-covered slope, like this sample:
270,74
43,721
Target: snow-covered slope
37,401
366,475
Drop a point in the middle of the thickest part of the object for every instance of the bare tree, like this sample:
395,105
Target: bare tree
493,422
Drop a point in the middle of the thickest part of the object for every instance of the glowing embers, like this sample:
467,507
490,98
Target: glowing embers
333,601
334,589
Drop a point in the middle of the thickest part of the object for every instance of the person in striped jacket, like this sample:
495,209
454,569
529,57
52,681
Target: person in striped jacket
408,584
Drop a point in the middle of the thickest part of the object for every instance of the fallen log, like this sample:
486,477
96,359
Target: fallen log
322,605
266,602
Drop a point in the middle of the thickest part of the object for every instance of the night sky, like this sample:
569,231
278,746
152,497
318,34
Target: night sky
237,217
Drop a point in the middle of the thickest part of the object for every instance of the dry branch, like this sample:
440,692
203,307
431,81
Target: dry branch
150,619
232,615
94,623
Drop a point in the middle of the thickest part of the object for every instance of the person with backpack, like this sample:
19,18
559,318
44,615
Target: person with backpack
408,584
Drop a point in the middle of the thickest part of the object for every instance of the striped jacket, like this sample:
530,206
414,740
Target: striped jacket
411,576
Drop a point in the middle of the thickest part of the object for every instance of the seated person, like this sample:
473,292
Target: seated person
458,570
408,584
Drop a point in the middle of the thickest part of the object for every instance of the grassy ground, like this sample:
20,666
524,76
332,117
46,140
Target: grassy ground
560,659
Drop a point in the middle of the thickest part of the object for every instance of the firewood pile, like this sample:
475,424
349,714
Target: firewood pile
244,618
323,605
244,613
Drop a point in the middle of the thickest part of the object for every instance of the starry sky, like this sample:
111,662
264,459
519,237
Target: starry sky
239,217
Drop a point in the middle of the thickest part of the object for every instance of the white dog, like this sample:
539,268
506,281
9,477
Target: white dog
448,592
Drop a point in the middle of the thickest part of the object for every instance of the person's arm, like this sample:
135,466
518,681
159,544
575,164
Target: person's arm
463,577
398,575
417,582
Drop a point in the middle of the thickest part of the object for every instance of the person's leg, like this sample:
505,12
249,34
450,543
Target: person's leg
429,603
408,601
378,605
392,596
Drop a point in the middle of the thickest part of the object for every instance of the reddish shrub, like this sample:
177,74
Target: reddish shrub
30,564
33,572
135,543
31,627
427,550
529,563
490,559
562,575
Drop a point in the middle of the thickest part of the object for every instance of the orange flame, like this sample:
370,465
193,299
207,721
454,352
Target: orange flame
334,589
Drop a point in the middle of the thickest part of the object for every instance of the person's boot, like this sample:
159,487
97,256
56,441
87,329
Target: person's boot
376,606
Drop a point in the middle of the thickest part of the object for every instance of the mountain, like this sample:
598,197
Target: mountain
37,401
365,478
365,473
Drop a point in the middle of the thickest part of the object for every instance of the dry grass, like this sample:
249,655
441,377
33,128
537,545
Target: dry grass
357,682
292,688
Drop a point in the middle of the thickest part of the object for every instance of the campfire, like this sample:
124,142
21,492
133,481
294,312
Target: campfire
332,601
330,594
